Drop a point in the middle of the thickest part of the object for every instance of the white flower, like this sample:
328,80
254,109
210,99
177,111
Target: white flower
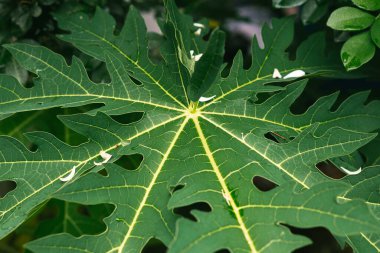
69,176
106,157
295,74
276,74
199,30
205,99
199,25
351,173
195,57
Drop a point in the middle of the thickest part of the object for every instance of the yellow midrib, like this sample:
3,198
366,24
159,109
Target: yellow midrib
134,63
149,188
223,184
279,166
2,213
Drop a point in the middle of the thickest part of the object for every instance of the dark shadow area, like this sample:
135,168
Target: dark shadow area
176,188
222,251
185,211
263,184
330,170
6,187
103,172
32,147
129,162
137,82
323,241
154,246
128,117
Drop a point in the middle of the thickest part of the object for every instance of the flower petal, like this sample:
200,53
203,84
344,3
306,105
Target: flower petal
69,176
199,25
205,99
295,74
106,157
276,74
198,32
350,173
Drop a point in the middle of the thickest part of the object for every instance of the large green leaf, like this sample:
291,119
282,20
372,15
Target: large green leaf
192,151
365,186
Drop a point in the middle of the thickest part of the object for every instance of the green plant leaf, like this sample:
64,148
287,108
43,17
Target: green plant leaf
313,11
349,19
357,50
206,152
321,202
208,67
375,31
371,153
366,187
287,3
370,5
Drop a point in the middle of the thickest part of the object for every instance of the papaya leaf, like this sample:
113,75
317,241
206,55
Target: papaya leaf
194,151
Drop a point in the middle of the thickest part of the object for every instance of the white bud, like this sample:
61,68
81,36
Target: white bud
205,99
295,74
276,74
69,176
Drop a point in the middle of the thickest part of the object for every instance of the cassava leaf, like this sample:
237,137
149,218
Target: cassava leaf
192,152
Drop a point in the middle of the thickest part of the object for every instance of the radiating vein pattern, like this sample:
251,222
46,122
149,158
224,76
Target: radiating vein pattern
195,153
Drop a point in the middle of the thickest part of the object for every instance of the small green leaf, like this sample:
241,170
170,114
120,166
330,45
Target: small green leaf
288,3
350,19
375,31
357,51
370,5
313,11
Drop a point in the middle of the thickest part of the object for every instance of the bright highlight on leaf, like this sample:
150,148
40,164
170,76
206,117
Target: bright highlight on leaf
106,157
206,99
350,173
191,151
276,74
295,74
69,176
227,197
195,57
199,30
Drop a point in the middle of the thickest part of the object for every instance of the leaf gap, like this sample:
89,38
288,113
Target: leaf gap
276,137
185,211
29,84
177,188
128,118
103,172
154,246
137,82
328,169
129,162
32,147
76,219
263,184
6,186
323,240
223,251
